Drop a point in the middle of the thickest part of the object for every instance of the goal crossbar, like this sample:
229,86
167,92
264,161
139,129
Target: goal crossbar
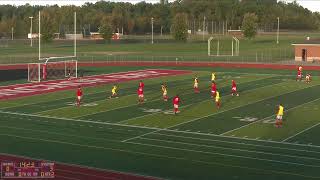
235,47
43,71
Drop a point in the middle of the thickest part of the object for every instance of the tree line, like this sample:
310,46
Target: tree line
136,18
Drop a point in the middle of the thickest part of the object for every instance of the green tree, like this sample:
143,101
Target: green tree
180,27
47,26
105,29
250,25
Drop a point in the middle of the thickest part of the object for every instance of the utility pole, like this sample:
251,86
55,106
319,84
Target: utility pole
204,26
11,33
152,30
278,30
31,31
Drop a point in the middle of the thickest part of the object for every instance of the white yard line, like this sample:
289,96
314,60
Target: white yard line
158,156
227,155
147,102
231,148
76,120
159,129
287,92
300,132
269,117
207,115
238,143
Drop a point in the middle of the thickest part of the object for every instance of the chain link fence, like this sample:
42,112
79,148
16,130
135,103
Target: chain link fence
18,51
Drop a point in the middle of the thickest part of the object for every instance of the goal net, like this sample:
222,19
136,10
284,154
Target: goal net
38,72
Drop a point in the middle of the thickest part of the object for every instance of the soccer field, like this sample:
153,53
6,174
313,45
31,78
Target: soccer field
238,141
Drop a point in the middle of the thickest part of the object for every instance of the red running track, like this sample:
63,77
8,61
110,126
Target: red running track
29,89
75,172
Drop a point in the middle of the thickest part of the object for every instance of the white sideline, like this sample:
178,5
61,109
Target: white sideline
76,120
228,155
230,148
300,132
160,129
154,155
239,143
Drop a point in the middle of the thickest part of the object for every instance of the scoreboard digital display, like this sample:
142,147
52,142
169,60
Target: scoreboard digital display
27,169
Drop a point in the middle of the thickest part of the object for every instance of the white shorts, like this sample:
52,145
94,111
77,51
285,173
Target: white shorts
299,76
141,96
279,117
164,94
79,98
234,89
195,86
176,106
213,92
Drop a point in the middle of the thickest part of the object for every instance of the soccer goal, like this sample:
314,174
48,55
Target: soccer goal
235,47
51,68
66,69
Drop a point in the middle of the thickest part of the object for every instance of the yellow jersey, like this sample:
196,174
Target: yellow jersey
195,80
217,96
114,89
213,77
164,89
280,111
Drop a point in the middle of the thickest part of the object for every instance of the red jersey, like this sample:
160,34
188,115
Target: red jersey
140,91
213,87
176,100
79,92
141,84
299,73
234,84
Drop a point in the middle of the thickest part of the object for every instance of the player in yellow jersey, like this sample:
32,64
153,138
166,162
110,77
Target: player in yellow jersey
308,78
114,92
279,116
217,99
196,85
164,92
213,77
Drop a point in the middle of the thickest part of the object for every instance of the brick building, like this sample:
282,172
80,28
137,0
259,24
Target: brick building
308,51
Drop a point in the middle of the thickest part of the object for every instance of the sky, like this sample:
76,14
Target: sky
313,5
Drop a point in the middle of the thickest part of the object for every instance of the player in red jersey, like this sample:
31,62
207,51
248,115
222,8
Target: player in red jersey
299,74
234,88
141,84
213,89
176,101
79,95
140,95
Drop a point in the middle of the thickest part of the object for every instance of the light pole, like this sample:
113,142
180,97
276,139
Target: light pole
278,30
11,33
31,31
204,27
152,30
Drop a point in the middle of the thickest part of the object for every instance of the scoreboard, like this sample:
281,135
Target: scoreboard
27,169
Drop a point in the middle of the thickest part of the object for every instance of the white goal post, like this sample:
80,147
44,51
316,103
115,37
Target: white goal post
50,68
38,72
235,47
